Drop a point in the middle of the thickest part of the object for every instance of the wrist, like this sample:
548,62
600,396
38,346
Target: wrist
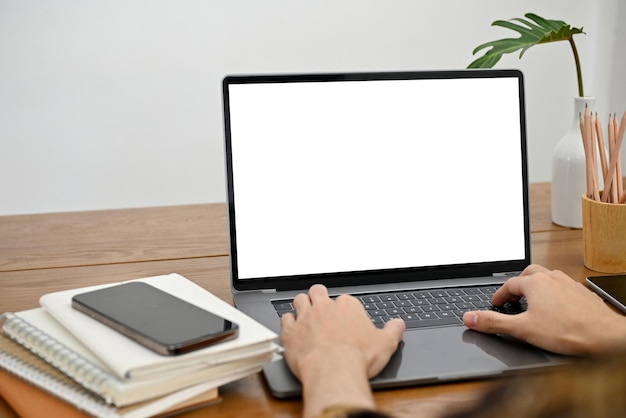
610,338
334,376
336,358
616,336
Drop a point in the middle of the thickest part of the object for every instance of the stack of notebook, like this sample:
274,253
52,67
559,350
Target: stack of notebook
74,358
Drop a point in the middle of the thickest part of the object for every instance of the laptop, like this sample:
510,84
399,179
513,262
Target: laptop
379,183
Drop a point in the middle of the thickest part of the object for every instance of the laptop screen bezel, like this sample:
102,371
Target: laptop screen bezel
375,276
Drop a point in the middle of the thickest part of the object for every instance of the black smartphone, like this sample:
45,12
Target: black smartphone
158,320
611,288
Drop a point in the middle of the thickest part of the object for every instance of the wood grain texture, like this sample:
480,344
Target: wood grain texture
22,289
560,250
112,236
604,236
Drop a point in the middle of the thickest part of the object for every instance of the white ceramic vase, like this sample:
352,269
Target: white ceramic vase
568,171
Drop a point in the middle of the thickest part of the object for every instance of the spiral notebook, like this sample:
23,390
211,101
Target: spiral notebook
36,330
31,386
67,346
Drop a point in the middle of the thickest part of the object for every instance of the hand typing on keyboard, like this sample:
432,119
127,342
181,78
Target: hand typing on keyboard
333,348
562,315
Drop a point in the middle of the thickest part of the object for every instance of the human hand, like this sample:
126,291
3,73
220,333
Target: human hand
333,348
323,324
563,316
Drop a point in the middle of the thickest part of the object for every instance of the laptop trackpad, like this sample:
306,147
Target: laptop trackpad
428,356
452,353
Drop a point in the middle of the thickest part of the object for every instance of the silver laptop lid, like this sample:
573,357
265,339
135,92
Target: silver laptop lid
366,178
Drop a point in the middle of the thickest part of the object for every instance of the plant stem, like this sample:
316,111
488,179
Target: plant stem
579,74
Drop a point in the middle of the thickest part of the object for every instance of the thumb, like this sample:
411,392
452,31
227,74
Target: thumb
490,322
386,345
395,328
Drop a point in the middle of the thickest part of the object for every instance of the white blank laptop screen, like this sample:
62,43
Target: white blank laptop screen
365,175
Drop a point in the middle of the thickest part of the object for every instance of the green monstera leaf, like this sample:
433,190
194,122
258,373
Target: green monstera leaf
533,30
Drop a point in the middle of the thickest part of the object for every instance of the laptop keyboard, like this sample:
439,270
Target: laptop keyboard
424,308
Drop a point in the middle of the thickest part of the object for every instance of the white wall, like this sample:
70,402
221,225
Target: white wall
113,104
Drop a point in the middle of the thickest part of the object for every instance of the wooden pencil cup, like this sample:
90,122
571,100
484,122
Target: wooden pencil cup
604,236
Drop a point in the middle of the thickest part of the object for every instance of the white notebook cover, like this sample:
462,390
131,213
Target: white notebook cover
129,360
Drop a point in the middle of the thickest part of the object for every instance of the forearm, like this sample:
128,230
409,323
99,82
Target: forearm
335,378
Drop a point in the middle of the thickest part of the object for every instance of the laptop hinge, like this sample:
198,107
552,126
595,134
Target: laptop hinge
236,292
506,274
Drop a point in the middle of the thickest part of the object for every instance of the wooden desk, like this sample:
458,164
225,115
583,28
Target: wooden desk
50,252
